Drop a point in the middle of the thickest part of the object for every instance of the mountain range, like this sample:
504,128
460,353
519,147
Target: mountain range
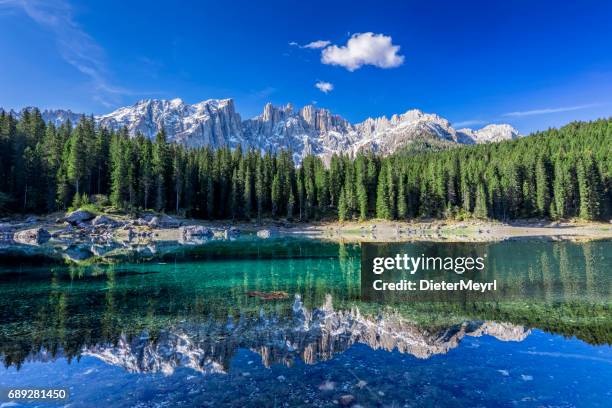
309,130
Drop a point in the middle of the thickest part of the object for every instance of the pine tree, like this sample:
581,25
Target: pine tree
480,205
382,195
402,207
342,207
276,194
147,172
119,174
77,161
560,191
590,188
248,191
260,190
542,187
160,160
178,175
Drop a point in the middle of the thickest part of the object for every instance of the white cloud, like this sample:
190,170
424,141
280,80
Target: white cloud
314,45
75,46
549,110
364,49
324,87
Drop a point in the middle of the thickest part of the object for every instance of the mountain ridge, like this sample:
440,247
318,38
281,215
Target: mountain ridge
308,130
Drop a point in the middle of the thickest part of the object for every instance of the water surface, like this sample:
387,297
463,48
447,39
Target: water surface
176,325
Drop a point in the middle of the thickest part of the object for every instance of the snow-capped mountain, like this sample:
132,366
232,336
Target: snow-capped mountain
55,116
216,123
212,122
490,133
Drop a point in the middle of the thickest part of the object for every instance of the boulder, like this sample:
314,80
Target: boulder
189,231
79,216
164,221
103,220
265,233
346,400
33,236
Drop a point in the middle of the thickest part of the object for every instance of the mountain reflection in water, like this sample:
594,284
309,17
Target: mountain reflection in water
310,335
173,308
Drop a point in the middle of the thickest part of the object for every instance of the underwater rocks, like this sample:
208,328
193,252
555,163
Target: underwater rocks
226,233
33,236
266,233
274,295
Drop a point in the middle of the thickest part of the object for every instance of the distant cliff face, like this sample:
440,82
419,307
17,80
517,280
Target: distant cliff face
212,122
310,335
309,130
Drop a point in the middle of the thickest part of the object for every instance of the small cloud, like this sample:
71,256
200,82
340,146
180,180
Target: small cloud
324,87
545,111
364,49
472,122
315,45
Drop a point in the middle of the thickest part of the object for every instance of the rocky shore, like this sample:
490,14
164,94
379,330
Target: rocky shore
82,234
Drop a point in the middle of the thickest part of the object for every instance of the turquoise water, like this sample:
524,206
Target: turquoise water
180,325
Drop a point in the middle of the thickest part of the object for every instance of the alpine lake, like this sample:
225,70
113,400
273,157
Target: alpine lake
279,322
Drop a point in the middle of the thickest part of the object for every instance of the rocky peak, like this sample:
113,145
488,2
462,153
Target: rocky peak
488,134
309,130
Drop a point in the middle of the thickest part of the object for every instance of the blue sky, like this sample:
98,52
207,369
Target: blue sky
533,64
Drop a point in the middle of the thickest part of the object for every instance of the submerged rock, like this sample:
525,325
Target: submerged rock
346,400
189,231
327,386
79,216
33,236
77,253
274,295
266,233
226,233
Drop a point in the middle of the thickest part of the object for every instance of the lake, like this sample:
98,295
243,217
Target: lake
280,322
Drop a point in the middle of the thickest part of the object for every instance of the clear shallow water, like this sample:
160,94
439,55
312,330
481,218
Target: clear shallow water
177,327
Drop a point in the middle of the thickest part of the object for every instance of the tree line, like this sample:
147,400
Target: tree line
556,174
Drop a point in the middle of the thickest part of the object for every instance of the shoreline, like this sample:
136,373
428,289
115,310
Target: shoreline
128,227
458,231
